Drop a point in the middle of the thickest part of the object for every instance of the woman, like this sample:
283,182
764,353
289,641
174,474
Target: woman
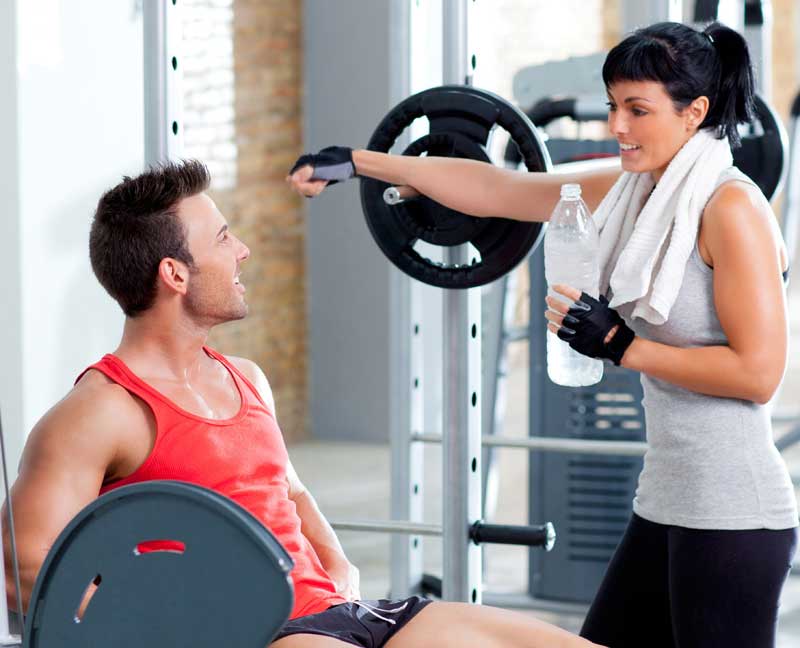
714,524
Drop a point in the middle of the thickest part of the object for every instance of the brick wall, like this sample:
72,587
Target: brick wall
242,109
785,52
785,77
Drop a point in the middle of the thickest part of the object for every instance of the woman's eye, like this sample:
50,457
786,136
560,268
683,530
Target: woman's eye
611,106
638,112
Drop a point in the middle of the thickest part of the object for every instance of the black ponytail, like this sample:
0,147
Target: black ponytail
714,63
732,104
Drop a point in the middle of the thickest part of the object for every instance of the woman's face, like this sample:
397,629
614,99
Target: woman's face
642,117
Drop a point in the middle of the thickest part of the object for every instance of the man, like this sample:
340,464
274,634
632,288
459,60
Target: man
165,406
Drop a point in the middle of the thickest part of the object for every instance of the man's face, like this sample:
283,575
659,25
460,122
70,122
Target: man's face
214,292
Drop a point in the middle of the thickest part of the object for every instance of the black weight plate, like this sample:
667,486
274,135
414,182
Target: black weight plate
762,155
230,567
461,119
429,220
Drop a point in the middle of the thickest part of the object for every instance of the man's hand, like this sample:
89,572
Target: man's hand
347,579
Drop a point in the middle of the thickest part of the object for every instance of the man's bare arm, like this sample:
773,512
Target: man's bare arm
315,527
63,465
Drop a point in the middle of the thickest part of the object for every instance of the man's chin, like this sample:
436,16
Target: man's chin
233,315
241,313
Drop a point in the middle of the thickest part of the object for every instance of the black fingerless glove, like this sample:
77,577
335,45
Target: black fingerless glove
334,164
587,324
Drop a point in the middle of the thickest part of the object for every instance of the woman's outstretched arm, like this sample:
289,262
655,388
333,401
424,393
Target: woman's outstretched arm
472,187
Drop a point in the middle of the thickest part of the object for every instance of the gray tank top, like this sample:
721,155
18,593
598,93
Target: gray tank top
711,462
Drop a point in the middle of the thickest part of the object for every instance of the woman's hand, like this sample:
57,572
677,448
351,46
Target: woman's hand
312,172
588,325
301,182
557,309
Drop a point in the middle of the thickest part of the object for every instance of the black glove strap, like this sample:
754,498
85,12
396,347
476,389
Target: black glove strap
588,323
619,344
333,163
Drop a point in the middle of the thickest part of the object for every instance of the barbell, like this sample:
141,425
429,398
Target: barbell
461,121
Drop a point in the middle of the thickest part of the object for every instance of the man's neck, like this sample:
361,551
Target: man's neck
164,348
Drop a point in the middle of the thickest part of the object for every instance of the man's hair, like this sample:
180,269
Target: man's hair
136,225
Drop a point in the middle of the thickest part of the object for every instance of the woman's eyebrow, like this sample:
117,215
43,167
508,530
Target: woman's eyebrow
629,99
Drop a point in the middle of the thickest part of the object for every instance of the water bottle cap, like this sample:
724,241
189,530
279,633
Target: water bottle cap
570,191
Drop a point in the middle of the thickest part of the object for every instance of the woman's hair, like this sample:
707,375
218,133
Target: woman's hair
136,225
714,63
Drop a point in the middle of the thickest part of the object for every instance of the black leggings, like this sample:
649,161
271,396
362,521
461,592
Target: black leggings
672,587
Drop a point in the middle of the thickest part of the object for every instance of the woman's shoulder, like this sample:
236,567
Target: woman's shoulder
732,173
736,191
738,210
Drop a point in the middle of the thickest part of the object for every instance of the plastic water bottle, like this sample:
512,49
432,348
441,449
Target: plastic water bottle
571,251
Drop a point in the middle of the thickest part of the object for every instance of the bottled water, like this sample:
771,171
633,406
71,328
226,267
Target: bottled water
571,258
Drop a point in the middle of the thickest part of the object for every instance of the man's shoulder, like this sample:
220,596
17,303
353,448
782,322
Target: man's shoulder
95,401
245,365
95,385
256,376
248,368
92,420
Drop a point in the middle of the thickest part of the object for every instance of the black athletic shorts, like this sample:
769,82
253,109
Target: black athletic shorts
369,624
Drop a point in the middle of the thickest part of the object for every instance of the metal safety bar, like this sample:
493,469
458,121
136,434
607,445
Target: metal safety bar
555,444
480,533
389,526
163,96
6,636
461,379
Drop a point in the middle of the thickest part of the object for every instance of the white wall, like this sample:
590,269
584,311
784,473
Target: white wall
10,270
77,94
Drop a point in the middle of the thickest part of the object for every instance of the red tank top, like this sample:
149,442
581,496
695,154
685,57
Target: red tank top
243,458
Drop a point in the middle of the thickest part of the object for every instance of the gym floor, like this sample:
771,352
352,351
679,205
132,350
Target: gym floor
343,496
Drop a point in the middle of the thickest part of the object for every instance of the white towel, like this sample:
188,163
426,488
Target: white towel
646,238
